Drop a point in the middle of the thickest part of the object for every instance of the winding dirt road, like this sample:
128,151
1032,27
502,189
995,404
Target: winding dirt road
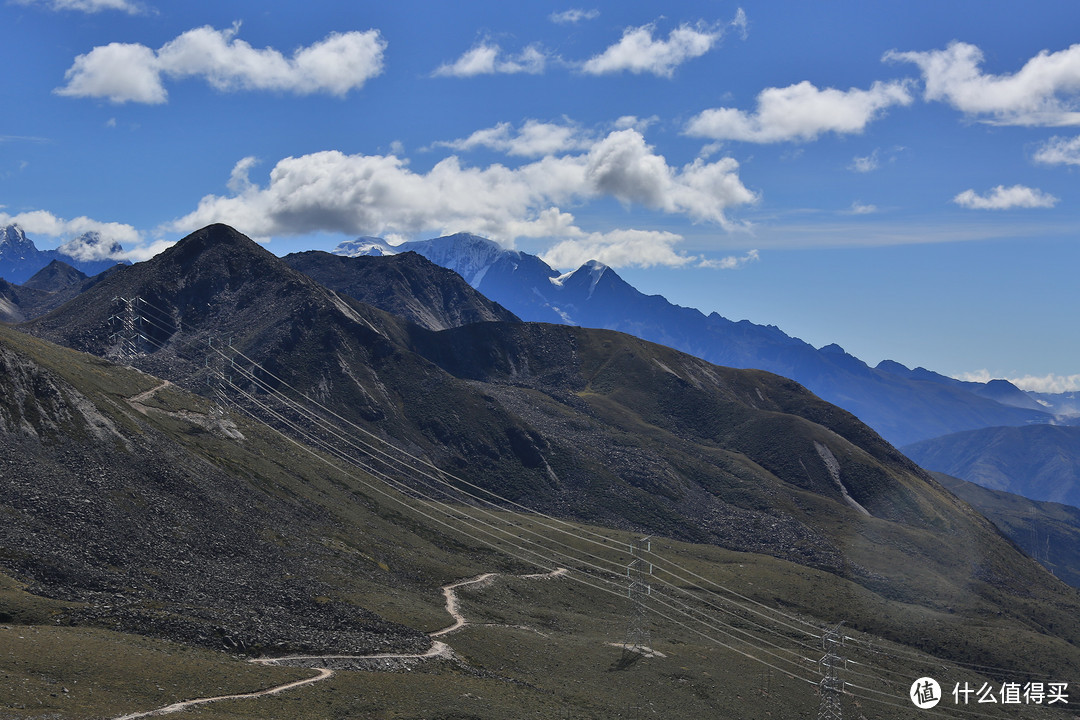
438,649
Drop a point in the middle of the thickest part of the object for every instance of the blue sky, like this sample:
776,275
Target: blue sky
899,178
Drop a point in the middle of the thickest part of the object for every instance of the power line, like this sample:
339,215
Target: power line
528,552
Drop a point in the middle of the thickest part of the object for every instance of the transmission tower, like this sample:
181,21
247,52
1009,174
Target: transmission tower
831,686
638,575
127,322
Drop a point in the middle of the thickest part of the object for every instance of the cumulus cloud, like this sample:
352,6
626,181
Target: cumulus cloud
533,139
858,208
572,17
87,6
801,112
126,72
639,52
1059,151
88,239
487,58
42,222
380,194
119,72
1005,198
1042,93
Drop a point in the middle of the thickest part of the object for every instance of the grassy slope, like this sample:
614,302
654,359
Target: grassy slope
1049,532
385,560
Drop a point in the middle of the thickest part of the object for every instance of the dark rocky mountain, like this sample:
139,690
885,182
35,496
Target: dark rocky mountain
17,303
904,406
405,284
48,289
1048,532
56,277
141,507
1041,462
20,258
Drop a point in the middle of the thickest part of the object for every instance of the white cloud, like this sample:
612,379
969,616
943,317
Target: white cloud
633,122
619,248
741,22
800,112
571,17
487,58
1003,198
239,181
635,248
638,52
1043,92
88,6
379,194
624,166
120,72
858,208
1050,383
732,262
123,72
1059,151
42,222
865,163
533,139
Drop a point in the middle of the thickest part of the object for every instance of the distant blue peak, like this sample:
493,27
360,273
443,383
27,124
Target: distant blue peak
833,349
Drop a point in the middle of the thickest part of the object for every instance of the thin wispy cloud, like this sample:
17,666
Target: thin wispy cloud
801,113
1044,92
636,248
732,262
87,6
572,17
1006,198
533,139
865,163
130,72
23,138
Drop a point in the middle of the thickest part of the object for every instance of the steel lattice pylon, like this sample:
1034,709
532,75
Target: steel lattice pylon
638,573
831,686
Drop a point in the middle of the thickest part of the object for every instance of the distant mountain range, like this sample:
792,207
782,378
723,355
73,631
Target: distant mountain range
1041,462
902,404
20,258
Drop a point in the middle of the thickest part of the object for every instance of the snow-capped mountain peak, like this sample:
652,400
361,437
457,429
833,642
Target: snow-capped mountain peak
468,255
366,246
91,246
14,245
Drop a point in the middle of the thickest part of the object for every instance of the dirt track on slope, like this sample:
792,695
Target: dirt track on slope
438,650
